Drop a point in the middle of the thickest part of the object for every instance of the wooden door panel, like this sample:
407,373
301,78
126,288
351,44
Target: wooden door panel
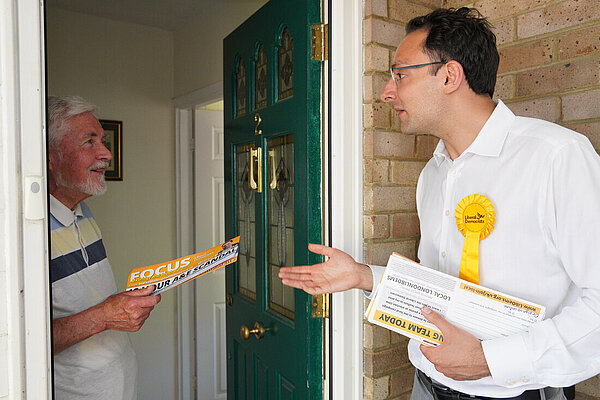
272,105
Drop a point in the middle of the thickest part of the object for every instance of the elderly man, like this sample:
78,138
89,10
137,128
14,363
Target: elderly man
543,182
93,358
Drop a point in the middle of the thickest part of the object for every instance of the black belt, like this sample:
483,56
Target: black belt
441,392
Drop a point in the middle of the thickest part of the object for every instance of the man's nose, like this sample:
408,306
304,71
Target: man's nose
389,91
104,153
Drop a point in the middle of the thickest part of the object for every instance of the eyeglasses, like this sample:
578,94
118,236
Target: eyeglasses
396,76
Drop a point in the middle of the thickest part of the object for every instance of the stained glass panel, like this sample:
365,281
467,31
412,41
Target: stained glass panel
260,79
286,65
240,89
281,222
246,224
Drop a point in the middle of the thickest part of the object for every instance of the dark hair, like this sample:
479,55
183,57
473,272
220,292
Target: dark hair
465,36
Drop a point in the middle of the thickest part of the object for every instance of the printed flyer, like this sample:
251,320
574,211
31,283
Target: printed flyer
406,286
173,273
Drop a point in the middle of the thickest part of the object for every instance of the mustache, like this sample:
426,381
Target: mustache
99,165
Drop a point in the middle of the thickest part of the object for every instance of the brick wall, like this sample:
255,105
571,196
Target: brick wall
549,68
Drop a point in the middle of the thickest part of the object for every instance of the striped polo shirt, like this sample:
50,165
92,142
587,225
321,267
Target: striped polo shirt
102,366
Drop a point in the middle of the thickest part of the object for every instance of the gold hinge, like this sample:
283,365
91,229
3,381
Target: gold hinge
320,306
319,34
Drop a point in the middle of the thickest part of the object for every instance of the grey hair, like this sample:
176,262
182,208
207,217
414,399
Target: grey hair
60,109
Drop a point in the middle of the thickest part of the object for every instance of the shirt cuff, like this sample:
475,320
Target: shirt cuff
508,361
377,272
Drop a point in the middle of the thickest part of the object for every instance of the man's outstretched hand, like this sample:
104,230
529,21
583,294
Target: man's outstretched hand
460,356
340,272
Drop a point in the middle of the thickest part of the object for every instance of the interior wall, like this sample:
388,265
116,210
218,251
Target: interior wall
199,43
127,71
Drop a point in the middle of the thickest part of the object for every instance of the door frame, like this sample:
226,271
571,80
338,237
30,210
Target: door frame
25,346
345,194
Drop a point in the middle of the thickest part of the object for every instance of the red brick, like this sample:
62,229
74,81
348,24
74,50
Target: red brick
590,387
376,7
373,85
579,43
378,253
377,58
526,55
389,144
405,225
582,105
402,381
547,109
376,171
383,32
385,361
404,11
390,198
376,227
552,18
504,31
376,337
406,172
495,9
377,115
426,145
505,87
558,77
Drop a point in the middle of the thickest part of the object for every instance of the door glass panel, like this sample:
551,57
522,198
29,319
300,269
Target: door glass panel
240,89
286,65
260,79
246,224
281,222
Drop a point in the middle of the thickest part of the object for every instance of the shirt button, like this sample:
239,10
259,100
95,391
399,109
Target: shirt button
525,380
443,254
510,382
453,172
447,212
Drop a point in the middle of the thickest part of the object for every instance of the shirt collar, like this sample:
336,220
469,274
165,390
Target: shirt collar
62,213
491,138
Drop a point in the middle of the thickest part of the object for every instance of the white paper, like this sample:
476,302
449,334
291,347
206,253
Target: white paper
407,286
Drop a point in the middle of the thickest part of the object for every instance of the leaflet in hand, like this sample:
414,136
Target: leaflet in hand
406,286
173,273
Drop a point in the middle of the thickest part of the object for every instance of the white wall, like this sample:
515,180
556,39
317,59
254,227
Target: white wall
199,44
127,70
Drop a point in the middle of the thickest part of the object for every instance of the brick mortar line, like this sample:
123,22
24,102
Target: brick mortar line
389,184
566,92
392,158
580,121
553,64
546,35
391,240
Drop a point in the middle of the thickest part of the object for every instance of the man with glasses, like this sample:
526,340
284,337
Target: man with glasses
544,183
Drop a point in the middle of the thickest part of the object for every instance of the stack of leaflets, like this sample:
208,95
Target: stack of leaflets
407,286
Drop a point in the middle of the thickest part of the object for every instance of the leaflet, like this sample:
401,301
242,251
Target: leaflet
173,273
406,286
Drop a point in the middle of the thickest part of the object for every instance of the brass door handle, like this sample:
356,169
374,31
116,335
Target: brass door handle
258,331
255,184
273,184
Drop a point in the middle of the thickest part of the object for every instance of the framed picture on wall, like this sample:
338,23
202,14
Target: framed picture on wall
113,140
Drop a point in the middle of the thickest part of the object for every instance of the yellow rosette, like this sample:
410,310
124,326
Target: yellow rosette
475,218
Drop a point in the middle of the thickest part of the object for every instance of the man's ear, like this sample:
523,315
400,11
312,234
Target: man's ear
52,158
455,76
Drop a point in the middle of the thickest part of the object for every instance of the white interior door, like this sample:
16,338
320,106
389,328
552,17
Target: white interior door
209,221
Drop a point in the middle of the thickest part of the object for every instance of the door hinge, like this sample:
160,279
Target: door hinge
319,34
320,306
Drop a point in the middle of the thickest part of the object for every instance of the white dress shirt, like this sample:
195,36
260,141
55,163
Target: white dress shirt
544,183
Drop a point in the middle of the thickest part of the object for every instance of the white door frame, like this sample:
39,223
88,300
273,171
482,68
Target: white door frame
24,284
346,216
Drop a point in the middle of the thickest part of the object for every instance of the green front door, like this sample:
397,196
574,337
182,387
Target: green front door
272,94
